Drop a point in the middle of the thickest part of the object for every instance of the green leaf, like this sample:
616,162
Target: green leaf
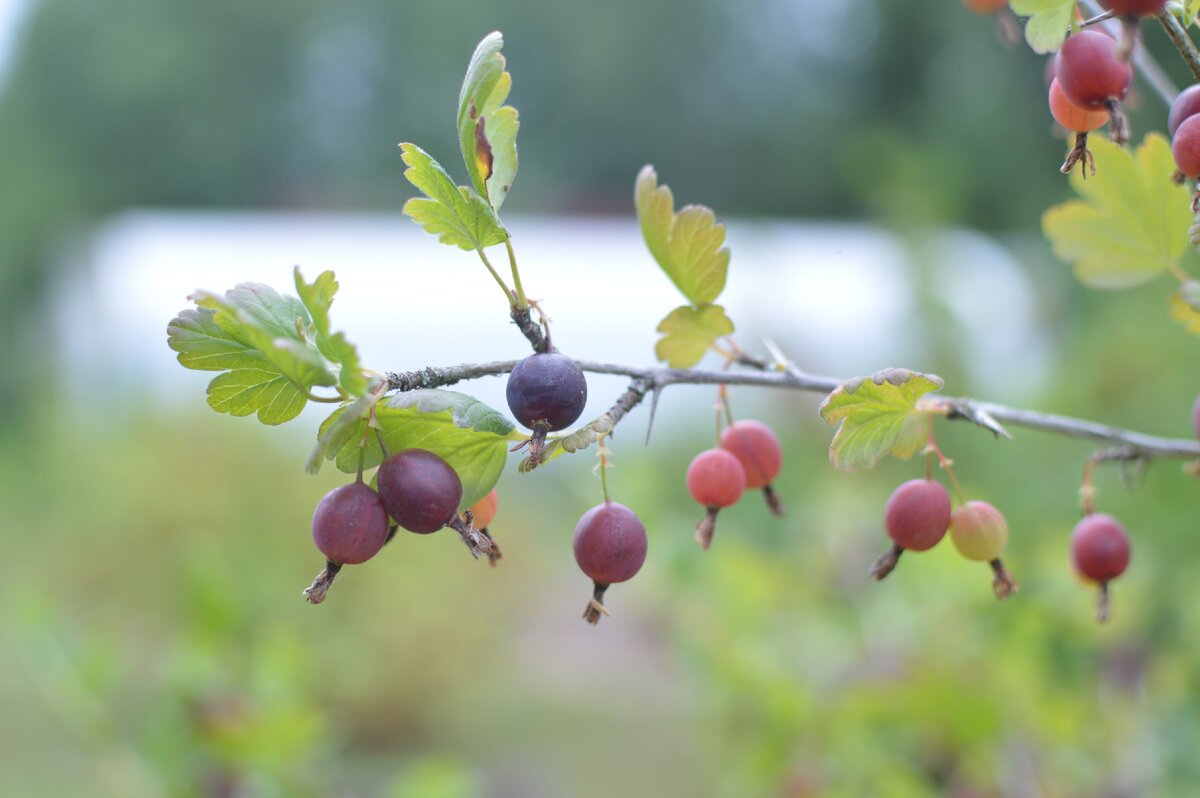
1186,11
1132,221
318,298
1048,24
274,349
339,428
273,325
455,214
469,435
687,245
487,129
878,416
688,333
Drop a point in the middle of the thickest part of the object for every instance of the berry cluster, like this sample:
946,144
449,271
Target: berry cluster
1089,77
917,517
748,455
1183,124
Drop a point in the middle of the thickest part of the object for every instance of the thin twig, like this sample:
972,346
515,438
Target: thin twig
989,415
1183,43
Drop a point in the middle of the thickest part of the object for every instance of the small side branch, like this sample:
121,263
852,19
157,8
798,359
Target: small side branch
1183,43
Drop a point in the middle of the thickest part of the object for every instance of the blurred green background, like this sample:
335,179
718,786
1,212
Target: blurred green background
153,638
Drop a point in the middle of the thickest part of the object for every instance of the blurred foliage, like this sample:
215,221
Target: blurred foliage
771,107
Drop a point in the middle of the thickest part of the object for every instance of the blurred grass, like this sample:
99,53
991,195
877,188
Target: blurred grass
158,644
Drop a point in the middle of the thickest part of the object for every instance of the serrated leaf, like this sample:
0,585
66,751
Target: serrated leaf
261,341
687,245
487,129
1185,312
337,430
272,325
469,435
455,214
318,298
688,333
1132,221
878,416
264,391
1048,23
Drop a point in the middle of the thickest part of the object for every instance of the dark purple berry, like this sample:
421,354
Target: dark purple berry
350,525
422,493
546,391
610,547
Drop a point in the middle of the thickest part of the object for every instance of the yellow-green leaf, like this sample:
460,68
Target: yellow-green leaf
1132,221
487,129
878,416
1185,312
1048,23
455,214
688,333
687,245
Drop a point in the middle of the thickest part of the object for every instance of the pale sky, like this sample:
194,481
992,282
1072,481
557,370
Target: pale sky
11,14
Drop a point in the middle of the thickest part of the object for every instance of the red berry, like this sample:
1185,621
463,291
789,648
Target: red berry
1075,118
610,547
1186,147
1196,416
1100,548
1135,8
757,449
716,478
1089,71
350,525
1186,105
918,514
985,6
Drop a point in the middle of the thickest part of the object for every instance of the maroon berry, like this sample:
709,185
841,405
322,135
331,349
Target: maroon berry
916,517
422,493
757,448
1089,71
918,514
1186,105
1099,548
1186,147
350,524
716,479
1135,8
610,547
1196,416
1100,553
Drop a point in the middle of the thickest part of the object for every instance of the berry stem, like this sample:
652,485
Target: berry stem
316,592
1183,43
1102,603
946,464
595,608
886,563
773,500
1118,125
603,466
1003,585
521,301
508,295
476,543
706,528
1087,490
495,555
